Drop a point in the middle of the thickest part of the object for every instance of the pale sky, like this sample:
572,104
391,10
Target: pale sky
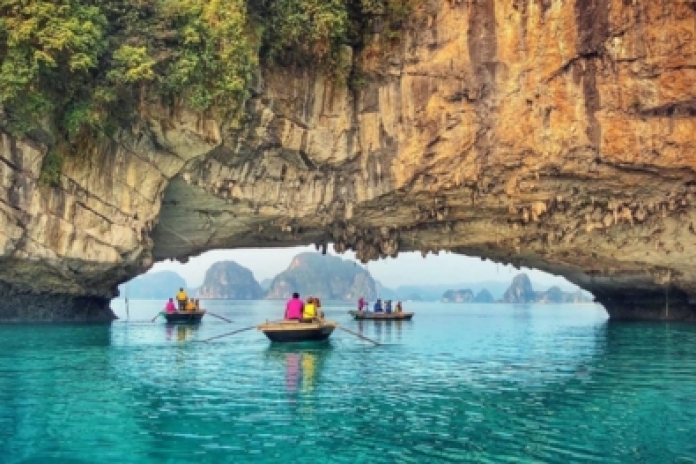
406,269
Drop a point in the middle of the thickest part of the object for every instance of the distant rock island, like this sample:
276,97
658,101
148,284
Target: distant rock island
325,276
519,291
484,296
458,296
153,286
227,279
332,278
467,296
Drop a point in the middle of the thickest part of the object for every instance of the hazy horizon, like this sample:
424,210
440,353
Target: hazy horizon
407,269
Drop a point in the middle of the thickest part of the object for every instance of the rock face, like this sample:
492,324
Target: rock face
520,290
458,296
524,132
556,295
157,285
327,277
227,279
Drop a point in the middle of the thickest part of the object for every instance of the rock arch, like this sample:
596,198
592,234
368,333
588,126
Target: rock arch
539,135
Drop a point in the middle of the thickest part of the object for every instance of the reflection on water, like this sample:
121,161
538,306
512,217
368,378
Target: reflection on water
457,384
184,332
303,363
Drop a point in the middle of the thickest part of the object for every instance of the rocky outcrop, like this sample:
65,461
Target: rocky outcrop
524,132
484,296
327,277
458,296
154,285
520,291
229,280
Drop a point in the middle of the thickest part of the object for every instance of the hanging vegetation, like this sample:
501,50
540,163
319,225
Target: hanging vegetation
77,66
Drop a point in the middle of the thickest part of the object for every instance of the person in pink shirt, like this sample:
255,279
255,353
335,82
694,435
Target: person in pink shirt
170,307
361,303
294,307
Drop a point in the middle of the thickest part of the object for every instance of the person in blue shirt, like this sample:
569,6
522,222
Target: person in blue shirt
378,306
387,307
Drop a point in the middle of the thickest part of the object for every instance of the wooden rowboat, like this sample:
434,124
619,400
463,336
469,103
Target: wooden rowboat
295,331
361,315
189,317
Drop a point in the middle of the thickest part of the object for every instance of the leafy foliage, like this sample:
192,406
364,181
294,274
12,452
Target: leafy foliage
78,64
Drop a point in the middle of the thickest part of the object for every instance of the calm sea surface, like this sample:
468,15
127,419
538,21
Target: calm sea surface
459,383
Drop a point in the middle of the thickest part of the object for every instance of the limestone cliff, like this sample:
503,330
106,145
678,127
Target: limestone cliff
327,277
458,296
520,290
227,279
555,135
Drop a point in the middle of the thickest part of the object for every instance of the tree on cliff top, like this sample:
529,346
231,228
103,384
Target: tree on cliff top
71,63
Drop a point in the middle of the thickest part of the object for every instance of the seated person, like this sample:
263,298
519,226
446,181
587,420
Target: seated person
398,307
387,307
309,312
378,306
293,308
170,307
317,303
190,305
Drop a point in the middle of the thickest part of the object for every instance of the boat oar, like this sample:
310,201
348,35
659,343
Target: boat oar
229,333
358,335
219,317
158,315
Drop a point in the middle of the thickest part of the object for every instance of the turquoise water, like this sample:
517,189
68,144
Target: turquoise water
459,383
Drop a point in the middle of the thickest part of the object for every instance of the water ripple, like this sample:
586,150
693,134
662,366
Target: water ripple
456,384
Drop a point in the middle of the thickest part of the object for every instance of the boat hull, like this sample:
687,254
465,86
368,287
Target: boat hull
364,315
184,317
292,331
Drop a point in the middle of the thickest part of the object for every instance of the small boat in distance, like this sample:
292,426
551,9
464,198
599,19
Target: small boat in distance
186,317
361,315
295,331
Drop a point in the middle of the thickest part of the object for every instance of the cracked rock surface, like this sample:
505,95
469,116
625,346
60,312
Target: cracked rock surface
555,135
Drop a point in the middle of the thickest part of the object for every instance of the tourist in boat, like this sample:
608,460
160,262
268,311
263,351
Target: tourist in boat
181,298
198,304
309,312
190,305
387,307
378,306
317,303
398,308
361,303
170,307
294,307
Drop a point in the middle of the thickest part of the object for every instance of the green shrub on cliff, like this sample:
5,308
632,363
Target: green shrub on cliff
76,64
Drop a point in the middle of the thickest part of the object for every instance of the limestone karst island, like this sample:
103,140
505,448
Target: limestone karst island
347,231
